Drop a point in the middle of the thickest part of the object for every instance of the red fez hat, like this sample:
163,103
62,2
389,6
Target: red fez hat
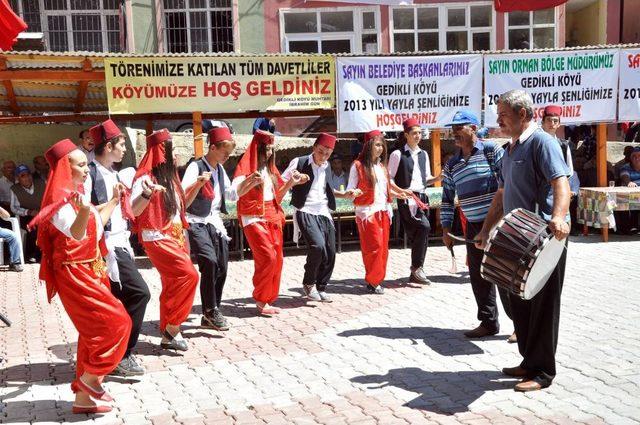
219,134
263,137
158,137
57,151
104,132
411,122
326,140
370,135
552,110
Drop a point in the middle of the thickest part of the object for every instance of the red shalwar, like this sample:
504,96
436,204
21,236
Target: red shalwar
373,230
83,286
265,241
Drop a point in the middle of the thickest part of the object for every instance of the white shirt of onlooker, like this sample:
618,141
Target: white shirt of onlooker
15,203
191,176
335,181
5,189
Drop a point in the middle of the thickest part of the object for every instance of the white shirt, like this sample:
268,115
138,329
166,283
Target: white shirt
64,218
15,203
191,176
91,155
335,181
150,235
268,194
416,177
379,194
5,189
317,202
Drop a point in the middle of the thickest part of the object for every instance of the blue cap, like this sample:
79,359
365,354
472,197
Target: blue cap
464,116
22,169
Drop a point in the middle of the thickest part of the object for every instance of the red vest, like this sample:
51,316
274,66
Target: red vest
70,250
252,203
368,191
154,216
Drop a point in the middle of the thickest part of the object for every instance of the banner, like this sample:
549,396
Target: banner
629,103
584,83
219,84
382,92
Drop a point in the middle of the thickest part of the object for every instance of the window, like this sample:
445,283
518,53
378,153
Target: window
74,25
330,30
443,27
198,26
531,30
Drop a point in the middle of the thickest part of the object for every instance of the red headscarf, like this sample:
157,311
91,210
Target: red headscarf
59,188
155,152
248,164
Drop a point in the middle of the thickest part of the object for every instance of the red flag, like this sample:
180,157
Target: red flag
525,5
10,25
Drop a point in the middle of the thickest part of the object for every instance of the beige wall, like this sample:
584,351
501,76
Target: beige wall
587,26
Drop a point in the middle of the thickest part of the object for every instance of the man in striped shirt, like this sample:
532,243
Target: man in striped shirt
471,174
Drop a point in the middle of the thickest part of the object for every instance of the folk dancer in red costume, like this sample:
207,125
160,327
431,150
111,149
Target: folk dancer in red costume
70,235
260,189
158,202
373,189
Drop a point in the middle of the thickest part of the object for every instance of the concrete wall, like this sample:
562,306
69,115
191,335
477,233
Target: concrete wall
630,27
587,26
144,26
252,26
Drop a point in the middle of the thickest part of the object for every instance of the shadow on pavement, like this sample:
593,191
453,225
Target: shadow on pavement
446,342
62,412
459,278
440,392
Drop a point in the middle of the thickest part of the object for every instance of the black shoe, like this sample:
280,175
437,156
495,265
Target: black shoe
17,267
170,343
375,289
128,367
217,322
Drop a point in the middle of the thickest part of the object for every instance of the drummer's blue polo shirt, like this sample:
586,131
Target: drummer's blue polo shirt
518,176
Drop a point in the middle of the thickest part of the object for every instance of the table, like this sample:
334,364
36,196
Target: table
597,204
345,210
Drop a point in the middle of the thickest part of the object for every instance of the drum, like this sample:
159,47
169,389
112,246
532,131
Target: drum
521,254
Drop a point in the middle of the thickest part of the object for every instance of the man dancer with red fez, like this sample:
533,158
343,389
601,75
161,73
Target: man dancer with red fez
70,236
159,203
313,202
207,186
372,188
126,282
414,179
260,189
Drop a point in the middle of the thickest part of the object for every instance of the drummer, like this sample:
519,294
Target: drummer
471,174
534,177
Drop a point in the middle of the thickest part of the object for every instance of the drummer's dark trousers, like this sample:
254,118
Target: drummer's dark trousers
484,291
320,236
417,229
537,321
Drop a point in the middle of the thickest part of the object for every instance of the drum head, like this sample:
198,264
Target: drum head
545,262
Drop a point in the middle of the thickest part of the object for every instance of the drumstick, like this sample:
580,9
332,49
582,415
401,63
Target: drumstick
459,239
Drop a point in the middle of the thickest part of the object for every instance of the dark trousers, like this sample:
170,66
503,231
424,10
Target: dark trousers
626,221
536,322
417,230
133,292
212,253
320,236
484,291
30,249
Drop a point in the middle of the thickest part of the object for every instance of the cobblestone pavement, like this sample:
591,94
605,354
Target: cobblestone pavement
398,358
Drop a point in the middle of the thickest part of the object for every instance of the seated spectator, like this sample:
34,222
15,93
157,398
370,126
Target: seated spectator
41,167
356,146
624,161
26,198
628,221
86,145
6,181
337,177
12,240
264,124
